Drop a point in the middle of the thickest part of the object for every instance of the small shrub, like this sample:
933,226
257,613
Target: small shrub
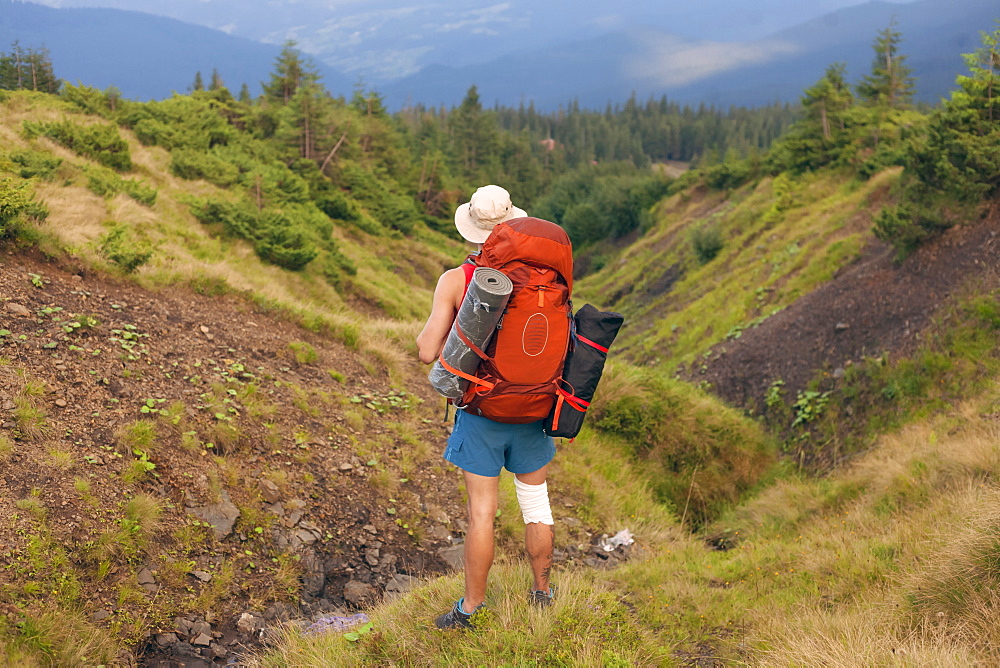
120,246
139,435
699,454
303,352
106,183
36,164
707,242
285,244
201,165
101,143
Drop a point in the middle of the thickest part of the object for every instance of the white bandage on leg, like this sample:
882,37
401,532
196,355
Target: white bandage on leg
534,502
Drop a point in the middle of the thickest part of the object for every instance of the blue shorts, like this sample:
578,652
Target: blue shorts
483,447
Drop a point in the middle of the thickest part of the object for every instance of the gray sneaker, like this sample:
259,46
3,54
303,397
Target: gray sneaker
457,617
542,599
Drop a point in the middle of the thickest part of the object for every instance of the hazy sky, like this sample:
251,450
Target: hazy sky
385,39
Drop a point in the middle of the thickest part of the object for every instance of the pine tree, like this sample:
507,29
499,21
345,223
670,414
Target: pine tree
28,69
828,98
291,70
216,83
198,84
245,94
889,82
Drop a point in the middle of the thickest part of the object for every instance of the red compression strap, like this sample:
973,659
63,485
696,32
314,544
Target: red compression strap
576,402
557,412
472,346
461,374
592,344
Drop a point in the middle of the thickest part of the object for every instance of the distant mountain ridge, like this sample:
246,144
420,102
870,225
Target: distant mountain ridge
148,56
648,62
145,56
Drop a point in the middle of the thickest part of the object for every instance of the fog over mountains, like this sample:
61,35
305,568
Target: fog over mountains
549,53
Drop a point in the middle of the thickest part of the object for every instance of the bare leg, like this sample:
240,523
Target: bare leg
538,538
482,493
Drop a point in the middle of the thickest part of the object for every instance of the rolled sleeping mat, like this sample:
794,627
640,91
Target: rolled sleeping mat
594,333
476,321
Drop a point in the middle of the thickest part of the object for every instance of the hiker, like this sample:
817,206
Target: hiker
481,446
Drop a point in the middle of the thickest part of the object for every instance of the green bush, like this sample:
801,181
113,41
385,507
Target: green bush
101,143
106,183
698,453
338,206
906,226
284,243
728,175
15,198
707,241
120,245
236,220
193,165
36,164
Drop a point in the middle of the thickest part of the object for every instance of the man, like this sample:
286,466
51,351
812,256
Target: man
481,447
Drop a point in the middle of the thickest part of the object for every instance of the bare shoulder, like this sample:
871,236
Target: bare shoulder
451,285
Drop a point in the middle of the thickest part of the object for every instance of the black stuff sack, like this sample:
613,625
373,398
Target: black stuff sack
594,333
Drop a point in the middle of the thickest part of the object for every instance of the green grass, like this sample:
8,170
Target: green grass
817,571
678,302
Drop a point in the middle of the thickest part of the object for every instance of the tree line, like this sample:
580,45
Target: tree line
27,69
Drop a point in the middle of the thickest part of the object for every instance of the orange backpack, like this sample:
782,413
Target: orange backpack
521,366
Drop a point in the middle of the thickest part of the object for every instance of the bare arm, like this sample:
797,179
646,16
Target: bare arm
447,300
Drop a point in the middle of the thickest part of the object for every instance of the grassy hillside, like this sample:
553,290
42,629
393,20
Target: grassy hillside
888,562
213,430
716,262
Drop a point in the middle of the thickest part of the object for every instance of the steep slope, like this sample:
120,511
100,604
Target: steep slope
870,308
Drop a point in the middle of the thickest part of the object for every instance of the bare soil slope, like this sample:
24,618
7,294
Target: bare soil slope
871,307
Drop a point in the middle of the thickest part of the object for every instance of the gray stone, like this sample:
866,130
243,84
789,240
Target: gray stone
454,556
201,628
269,491
202,640
307,537
401,582
358,593
437,514
571,522
345,467
371,556
100,615
165,639
204,576
249,623
222,515
438,532
145,577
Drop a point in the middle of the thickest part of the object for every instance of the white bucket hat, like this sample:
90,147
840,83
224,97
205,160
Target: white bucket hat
487,207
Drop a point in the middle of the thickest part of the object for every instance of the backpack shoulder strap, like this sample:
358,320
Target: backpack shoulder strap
469,267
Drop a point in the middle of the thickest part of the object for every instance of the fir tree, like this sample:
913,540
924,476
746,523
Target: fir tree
217,83
198,84
827,99
889,82
291,70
